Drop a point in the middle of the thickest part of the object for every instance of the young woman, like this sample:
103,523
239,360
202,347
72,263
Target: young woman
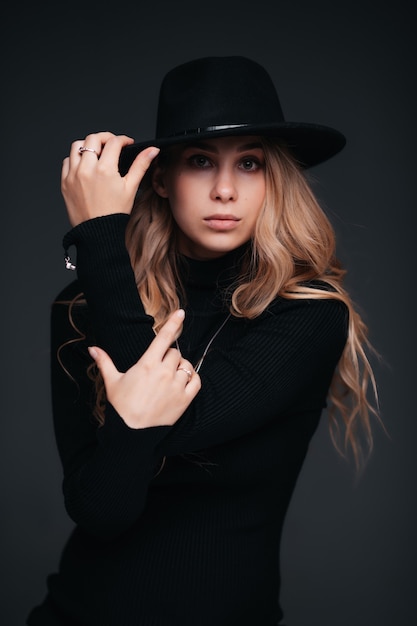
192,358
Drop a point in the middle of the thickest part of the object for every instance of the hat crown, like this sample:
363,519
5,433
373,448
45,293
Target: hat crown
216,97
216,91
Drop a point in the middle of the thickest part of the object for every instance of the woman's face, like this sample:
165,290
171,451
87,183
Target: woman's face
216,189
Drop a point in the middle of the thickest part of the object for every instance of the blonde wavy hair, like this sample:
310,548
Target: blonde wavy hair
293,244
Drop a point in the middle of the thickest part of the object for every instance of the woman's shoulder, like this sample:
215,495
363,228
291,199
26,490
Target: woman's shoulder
69,293
320,301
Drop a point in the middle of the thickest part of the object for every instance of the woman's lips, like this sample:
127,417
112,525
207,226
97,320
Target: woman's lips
222,222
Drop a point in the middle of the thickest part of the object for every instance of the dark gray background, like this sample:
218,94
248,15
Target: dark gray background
68,69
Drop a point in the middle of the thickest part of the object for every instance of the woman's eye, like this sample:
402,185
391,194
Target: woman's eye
198,160
250,164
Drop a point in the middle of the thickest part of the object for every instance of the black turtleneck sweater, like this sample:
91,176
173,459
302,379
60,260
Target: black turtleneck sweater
197,543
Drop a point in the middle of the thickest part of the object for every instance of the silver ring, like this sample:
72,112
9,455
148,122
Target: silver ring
189,374
82,149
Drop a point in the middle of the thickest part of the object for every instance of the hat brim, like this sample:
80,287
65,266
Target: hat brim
310,144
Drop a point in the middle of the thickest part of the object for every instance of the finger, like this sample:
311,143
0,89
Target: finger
104,363
186,365
91,149
185,369
111,149
172,358
71,162
96,142
141,164
169,332
74,155
90,158
93,141
193,386
65,169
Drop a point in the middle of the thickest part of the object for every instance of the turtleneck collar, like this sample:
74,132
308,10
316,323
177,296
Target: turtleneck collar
219,272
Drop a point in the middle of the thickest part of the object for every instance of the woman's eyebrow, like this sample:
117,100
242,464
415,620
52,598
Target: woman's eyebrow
201,145
256,145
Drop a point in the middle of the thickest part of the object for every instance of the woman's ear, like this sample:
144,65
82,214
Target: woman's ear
158,182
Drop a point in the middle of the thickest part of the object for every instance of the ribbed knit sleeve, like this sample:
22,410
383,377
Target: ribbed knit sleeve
106,277
107,469
108,493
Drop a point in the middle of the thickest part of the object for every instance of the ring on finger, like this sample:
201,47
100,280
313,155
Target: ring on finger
82,149
188,372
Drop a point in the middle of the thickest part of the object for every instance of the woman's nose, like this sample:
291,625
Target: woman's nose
224,187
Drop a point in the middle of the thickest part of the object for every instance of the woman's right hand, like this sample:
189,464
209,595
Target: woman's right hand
157,389
91,182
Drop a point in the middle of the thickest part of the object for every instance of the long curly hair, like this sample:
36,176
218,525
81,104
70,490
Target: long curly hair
293,244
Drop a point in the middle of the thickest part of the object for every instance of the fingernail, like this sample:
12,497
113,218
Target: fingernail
152,153
93,352
181,313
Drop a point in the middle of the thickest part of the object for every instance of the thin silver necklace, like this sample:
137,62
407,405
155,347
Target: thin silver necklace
196,369
206,349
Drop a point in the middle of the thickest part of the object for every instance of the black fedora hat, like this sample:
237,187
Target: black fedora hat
233,95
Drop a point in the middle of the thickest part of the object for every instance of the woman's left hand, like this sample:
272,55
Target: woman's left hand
157,389
91,182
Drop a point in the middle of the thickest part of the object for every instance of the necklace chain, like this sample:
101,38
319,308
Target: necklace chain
197,369
206,349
